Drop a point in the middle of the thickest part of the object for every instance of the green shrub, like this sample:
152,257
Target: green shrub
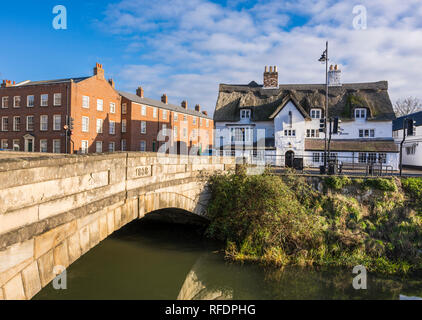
337,182
413,186
381,184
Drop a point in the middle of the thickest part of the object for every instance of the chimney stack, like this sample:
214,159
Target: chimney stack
111,81
164,99
205,113
185,104
198,108
140,92
7,83
99,71
270,78
334,76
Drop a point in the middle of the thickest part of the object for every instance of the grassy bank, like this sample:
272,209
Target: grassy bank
282,221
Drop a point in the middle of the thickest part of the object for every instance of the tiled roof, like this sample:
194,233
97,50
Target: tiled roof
159,104
398,123
342,100
359,145
34,83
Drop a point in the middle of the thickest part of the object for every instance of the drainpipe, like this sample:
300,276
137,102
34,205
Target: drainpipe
401,146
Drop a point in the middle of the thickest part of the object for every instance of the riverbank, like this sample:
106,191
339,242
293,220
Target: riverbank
282,221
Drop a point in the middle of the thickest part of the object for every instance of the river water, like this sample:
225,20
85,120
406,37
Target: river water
151,260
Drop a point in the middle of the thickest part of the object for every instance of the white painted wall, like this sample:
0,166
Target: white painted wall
383,129
413,159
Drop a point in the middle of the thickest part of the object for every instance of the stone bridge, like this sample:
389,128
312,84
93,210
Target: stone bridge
54,208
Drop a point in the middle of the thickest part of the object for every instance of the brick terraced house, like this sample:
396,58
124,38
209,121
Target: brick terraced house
152,125
34,115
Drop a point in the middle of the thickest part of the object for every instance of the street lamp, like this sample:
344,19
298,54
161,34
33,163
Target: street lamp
324,58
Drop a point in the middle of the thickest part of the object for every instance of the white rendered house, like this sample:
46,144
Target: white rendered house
412,146
275,124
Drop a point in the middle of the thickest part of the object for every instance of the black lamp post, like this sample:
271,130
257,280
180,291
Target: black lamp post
324,58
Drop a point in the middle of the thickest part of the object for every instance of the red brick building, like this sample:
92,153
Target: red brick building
34,115
152,125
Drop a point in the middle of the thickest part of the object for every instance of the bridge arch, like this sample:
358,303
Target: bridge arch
72,203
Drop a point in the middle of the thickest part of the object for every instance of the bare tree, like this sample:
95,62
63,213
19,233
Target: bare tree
406,106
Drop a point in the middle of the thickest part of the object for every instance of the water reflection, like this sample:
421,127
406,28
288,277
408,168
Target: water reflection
149,260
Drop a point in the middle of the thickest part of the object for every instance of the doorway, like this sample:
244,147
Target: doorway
290,155
29,143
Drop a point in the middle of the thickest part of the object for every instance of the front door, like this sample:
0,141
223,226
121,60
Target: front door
29,144
290,155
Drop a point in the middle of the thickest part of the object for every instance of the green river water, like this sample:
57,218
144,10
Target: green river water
151,260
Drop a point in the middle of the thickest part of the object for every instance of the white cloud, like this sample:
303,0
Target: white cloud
186,48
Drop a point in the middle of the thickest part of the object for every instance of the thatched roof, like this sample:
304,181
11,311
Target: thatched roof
342,100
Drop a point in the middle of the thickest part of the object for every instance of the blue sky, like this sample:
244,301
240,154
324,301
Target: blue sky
186,48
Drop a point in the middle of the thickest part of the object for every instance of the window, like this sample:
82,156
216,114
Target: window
84,146
85,124
154,146
57,122
43,145
316,157
200,122
123,144
164,129
245,114
164,114
98,146
154,112
43,123
143,110
175,131
112,127
142,146
185,118
372,157
241,134
360,113
57,99
312,133
16,145
143,127
112,107
124,108
30,123
112,146
5,102
185,132
194,120
207,123
5,124
16,102
123,125
315,113
100,104
99,128
366,133
4,144
85,102
44,100
362,157
16,123
56,146
290,133
176,116
411,150
30,101
382,157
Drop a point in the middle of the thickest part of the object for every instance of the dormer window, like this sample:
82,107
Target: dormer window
245,114
360,114
316,113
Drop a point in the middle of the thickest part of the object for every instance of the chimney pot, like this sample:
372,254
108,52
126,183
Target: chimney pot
204,112
271,69
185,104
198,108
164,99
111,81
140,92
266,69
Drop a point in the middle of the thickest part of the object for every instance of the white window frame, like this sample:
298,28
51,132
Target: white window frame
193,120
361,113
4,144
57,101
98,143
112,107
175,131
245,114
30,98
84,146
99,126
85,124
124,125
46,145
124,108
85,102
207,123
154,113
140,145
15,127
56,144
143,110
5,105
4,127
316,113
111,127
176,116
164,114
15,99
43,122
16,142
43,102
143,127
123,145
27,123
111,146
57,122
100,105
